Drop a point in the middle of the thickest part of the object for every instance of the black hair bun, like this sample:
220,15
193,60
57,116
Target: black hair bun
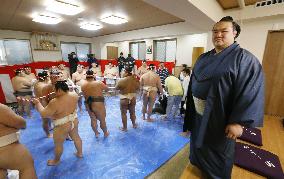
89,72
227,18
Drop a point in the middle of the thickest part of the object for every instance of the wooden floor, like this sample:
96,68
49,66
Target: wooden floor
273,141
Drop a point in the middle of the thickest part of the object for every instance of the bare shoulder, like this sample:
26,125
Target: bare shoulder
84,83
3,108
73,94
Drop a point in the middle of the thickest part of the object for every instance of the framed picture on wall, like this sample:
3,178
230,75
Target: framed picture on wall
149,49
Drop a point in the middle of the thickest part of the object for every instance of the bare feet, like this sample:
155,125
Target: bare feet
135,126
53,162
69,138
185,134
123,129
97,134
49,135
79,155
106,134
164,117
150,120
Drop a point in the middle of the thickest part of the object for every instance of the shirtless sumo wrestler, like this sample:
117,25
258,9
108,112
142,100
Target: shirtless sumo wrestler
64,119
13,155
93,92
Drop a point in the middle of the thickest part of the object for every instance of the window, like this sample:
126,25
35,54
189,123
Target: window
80,49
138,50
15,52
165,50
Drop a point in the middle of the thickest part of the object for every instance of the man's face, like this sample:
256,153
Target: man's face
161,65
110,65
223,35
28,71
22,73
94,65
144,64
61,67
54,78
80,68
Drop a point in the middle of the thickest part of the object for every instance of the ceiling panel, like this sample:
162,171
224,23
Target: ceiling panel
228,4
16,15
251,2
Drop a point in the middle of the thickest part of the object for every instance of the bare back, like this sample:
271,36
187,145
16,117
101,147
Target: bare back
38,88
93,88
128,85
63,105
151,79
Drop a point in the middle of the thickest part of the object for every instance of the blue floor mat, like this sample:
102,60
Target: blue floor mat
133,154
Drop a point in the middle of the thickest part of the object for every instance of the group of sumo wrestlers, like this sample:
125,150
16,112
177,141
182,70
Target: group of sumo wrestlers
225,93
52,91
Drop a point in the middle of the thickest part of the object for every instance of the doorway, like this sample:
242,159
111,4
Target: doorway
273,67
112,52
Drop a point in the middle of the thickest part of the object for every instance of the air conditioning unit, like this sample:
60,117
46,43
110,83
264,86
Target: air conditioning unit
268,3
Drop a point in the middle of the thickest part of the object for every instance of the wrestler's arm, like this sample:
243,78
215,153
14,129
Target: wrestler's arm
74,78
159,84
118,85
48,111
104,87
27,84
9,118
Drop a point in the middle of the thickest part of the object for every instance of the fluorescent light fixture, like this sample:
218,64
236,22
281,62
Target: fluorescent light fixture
46,19
90,26
114,20
64,8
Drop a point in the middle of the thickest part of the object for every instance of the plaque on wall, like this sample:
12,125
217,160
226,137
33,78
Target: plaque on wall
46,41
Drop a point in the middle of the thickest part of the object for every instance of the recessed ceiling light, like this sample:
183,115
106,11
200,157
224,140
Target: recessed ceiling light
64,8
46,19
90,26
114,20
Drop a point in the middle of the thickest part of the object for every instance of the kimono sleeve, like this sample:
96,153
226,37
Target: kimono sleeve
248,103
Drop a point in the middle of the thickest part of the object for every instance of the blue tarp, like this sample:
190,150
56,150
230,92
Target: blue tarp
133,154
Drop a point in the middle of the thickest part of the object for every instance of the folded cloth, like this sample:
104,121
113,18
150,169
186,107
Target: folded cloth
259,161
252,135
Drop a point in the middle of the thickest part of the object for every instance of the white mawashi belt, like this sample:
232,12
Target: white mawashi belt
127,96
66,119
149,89
9,139
199,105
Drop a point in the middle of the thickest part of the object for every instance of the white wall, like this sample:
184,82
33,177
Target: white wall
185,46
254,33
124,48
45,55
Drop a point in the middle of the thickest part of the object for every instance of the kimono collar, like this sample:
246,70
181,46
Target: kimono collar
211,63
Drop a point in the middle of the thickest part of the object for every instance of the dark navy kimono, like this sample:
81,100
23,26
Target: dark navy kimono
232,84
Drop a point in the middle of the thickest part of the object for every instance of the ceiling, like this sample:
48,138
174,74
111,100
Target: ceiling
231,4
17,15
